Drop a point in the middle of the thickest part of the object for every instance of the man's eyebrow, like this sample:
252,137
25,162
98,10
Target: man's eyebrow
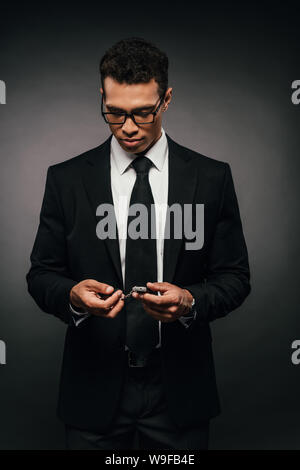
140,108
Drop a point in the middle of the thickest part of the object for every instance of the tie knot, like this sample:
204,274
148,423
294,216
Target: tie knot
142,164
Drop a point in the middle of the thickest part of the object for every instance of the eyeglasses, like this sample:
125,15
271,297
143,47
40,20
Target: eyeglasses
138,117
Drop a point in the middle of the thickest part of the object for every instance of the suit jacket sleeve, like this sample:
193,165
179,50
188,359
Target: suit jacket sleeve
48,279
227,280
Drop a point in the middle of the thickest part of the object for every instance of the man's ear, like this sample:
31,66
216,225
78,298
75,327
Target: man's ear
169,95
101,91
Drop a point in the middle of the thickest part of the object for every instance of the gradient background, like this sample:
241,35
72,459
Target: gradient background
231,69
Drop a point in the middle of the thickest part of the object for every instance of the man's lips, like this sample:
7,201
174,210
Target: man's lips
131,142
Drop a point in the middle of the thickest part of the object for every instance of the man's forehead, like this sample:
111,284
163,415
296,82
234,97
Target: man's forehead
135,94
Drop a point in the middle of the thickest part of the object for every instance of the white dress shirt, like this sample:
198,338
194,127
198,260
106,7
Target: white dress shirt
123,177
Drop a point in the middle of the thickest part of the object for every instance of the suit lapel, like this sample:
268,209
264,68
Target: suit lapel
181,188
97,181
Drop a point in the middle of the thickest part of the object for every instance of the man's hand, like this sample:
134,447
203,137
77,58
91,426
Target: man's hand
97,298
170,305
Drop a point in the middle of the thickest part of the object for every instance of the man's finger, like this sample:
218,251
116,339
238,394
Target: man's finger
96,302
112,299
162,308
116,309
110,312
159,316
100,287
159,286
157,301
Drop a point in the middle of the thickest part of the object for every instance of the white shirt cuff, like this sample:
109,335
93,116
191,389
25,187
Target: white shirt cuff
187,320
78,317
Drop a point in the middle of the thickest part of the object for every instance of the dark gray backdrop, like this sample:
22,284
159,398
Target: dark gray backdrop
231,70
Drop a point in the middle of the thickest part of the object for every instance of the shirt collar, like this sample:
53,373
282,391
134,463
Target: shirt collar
157,153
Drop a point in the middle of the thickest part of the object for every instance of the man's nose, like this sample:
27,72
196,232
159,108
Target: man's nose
129,125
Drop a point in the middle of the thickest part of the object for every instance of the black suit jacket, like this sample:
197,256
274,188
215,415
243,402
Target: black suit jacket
66,250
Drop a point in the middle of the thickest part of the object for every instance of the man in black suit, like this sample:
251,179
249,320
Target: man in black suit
138,361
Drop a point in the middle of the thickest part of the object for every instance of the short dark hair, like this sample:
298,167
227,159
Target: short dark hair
135,60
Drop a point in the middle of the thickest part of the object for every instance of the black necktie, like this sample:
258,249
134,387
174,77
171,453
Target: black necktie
141,264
